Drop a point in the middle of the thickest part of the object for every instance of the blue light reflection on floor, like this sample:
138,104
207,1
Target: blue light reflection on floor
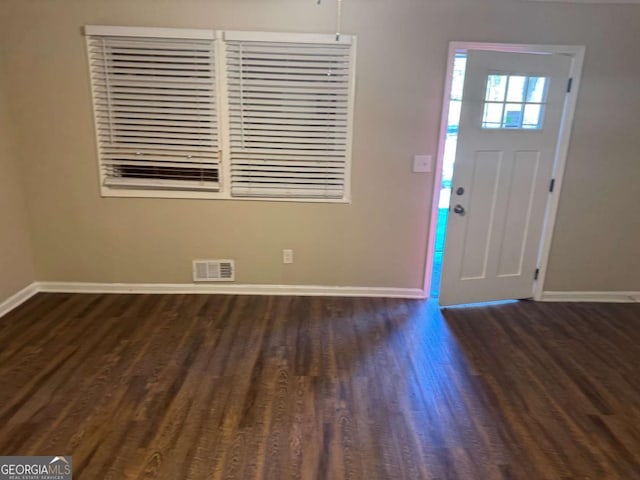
483,304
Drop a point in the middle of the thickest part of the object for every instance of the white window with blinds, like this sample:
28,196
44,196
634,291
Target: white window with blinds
289,114
154,95
204,114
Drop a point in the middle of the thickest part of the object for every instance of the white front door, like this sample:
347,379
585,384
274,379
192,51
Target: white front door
510,120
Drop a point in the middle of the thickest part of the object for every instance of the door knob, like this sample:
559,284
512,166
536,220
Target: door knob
459,209
459,190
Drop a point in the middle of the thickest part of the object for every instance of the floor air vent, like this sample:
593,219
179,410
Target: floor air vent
213,271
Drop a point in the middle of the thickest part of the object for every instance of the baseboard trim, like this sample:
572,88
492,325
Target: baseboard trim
295,290
17,299
230,289
611,297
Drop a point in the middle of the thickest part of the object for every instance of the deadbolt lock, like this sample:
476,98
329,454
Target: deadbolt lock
459,209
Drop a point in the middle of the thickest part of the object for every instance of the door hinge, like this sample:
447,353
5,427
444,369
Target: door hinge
535,276
552,185
569,85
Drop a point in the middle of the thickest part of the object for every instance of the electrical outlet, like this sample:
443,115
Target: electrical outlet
287,255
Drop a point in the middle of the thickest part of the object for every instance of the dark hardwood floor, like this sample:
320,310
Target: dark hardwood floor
241,387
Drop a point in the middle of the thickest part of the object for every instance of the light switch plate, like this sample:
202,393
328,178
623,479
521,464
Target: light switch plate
422,164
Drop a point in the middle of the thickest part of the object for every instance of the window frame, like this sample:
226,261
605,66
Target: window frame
219,42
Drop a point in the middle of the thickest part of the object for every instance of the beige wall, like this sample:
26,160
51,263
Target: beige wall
16,263
379,239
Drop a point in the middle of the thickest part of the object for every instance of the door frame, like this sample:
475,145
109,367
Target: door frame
576,52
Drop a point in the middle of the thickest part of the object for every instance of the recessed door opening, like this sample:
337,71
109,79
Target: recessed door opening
449,157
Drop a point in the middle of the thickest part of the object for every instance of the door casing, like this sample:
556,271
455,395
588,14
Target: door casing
576,52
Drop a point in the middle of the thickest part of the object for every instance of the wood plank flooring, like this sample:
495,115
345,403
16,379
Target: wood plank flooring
243,387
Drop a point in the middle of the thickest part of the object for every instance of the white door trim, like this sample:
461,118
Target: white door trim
576,52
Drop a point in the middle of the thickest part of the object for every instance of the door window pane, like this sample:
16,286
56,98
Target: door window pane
492,117
513,115
517,85
496,88
514,102
536,89
532,116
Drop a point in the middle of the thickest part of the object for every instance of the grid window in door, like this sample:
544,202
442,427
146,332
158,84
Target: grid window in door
515,102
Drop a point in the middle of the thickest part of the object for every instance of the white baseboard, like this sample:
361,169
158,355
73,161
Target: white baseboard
17,299
295,290
611,297
231,289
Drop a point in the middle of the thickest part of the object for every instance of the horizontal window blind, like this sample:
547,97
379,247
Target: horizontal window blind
155,110
289,117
